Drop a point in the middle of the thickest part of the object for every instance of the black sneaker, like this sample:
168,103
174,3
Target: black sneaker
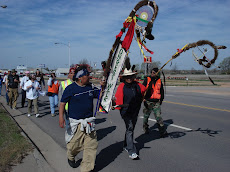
163,132
72,164
163,135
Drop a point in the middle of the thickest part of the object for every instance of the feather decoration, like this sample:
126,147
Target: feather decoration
127,63
133,68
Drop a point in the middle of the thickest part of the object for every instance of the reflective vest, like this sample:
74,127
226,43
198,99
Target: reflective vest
64,84
156,89
53,88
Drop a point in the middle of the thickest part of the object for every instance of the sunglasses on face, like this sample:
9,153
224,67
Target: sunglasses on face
130,77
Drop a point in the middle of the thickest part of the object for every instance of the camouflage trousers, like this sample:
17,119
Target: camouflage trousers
156,108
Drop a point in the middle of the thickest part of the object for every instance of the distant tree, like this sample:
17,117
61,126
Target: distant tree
46,68
154,64
150,66
137,66
84,61
193,71
225,65
174,68
72,65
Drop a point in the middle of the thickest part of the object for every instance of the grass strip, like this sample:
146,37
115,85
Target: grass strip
13,146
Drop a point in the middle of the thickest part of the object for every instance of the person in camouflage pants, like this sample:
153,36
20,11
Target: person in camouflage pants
152,102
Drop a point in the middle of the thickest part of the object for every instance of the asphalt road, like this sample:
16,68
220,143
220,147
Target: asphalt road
197,121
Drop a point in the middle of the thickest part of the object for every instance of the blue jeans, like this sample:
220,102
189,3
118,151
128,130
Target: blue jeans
67,123
130,122
53,102
7,97
0,90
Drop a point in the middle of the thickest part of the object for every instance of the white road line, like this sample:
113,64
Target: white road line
170,95
173,125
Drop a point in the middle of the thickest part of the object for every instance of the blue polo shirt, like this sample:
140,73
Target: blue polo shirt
80,100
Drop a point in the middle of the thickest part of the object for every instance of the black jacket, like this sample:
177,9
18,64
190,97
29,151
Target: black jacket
11,83
132,97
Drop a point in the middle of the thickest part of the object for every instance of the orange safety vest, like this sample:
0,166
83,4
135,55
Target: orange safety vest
53,88
156,89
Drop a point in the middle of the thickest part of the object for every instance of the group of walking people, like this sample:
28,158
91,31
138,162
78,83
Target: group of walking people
76,112
31,88
76,96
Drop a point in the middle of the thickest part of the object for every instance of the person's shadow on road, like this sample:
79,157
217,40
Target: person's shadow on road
105,157
154,134
100,120
108,155
101,133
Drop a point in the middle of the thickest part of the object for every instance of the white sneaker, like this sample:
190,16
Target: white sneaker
133,156
37,115
28,115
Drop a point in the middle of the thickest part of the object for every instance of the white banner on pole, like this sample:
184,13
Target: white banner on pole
113,76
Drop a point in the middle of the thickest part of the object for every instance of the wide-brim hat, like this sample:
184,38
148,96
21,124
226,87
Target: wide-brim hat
13,70
128,72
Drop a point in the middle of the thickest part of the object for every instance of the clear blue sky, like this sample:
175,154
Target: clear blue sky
29,29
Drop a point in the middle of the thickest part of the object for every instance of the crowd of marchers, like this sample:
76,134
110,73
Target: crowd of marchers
74,97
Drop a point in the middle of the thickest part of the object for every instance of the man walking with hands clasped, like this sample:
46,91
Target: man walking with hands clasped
32,87
22,84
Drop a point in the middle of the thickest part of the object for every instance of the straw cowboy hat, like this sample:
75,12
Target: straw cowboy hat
128,72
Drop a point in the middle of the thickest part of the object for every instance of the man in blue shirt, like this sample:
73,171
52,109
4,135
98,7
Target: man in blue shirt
81,136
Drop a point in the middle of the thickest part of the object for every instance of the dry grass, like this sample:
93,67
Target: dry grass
13,146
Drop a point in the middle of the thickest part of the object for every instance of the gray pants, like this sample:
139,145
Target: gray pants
130,122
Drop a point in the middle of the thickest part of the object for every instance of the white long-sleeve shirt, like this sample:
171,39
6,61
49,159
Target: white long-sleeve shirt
5,78
23,81
87,125
32,92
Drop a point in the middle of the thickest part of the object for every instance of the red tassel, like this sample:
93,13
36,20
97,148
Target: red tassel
120,34
129,36
145,47
179,51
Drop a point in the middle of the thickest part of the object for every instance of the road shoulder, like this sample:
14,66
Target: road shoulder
48,156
